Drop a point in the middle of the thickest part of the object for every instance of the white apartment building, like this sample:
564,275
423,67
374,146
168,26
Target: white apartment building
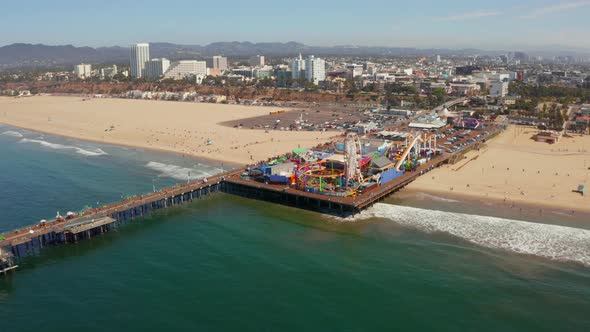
298,68
315,69
219,62
498,89
155,68
257,61
184,68
139,54
83,70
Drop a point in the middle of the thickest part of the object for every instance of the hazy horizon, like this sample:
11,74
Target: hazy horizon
429,24
553,49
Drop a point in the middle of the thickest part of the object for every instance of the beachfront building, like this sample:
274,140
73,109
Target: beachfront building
155,68
139,54
547,136
315,69
83,70
298,68
185,68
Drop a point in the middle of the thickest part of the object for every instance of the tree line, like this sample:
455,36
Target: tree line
550,91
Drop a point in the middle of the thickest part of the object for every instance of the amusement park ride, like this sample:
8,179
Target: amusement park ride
354,172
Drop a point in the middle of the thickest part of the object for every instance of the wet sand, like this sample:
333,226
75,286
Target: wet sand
517,171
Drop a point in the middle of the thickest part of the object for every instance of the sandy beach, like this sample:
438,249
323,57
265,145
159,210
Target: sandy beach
517,171
187,128
511,169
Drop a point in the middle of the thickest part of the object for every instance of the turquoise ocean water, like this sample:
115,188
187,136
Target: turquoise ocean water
231,264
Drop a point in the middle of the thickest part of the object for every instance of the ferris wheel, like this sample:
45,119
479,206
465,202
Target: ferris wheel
352,154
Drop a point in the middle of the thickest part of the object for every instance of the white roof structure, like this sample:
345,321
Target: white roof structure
431,121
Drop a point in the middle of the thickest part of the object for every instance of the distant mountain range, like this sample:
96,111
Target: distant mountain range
39,55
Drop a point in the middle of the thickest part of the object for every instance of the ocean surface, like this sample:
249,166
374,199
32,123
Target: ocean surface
231,264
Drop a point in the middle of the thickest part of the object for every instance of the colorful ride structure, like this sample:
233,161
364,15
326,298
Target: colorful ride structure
324,176
352,153
466,123
351,168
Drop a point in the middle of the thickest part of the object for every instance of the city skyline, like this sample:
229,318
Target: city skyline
459,24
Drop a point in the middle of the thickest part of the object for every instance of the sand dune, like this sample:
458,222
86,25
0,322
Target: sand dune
515,169
179,127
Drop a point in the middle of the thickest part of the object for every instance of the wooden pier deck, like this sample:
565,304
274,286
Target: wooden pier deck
284,194
31,239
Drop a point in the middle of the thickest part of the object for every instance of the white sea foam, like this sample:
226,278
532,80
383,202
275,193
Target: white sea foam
12,133
182,173
84,152
549,241
436,198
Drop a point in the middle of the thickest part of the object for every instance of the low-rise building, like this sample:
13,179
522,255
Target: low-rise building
364,128
550,137
354,71
463,89
243,71
263,72
155,68
428,121
108,72
185,68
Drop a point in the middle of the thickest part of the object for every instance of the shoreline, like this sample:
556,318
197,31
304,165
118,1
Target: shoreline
511,168
527,210
411,190
189,129
515,171
509,200
208,160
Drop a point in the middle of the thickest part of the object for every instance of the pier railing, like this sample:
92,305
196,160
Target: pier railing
30,239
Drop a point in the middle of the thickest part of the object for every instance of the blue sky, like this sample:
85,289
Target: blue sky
499,24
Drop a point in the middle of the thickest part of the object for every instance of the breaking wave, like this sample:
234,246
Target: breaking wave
549,241
182,173
84,152
12,133
436,198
